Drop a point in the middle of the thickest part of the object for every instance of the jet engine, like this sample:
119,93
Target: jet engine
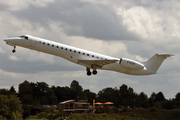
128,63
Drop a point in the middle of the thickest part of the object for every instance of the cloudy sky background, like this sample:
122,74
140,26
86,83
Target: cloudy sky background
118,28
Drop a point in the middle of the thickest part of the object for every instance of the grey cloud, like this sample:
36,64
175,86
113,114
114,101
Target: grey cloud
3,7
92,21
148,4
23,66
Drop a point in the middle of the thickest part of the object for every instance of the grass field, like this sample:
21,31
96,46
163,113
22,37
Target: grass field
150,114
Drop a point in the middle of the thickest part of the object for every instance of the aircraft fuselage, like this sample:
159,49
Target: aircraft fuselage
90,60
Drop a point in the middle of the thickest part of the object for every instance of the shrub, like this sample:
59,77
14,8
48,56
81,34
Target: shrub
153,109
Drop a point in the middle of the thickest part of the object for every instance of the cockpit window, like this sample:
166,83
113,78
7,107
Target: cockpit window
26,37
21,36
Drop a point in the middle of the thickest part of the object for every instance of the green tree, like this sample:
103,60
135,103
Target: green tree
25,88
143,100
127,96
177,96
159,97
153,96
26,93
76,89
52,99
150,102
177,99
10,107
107,94
4,92
39,89
124,90
90,95
12,90
42,93
123,95
62,93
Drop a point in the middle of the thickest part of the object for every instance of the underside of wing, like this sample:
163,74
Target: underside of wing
97,63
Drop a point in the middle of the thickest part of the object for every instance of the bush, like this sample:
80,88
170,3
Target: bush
116,110
106,110
1,118
153,109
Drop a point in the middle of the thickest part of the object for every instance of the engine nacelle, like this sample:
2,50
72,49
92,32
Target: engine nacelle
128,63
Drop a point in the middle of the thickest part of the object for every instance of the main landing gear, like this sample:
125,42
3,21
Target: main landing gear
14,49
94,72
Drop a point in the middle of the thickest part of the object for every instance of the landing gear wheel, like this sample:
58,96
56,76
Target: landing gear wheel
94,72
88,73
14,51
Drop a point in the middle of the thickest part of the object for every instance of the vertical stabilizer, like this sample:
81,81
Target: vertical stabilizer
155,62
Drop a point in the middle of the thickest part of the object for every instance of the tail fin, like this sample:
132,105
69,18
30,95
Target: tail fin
155,62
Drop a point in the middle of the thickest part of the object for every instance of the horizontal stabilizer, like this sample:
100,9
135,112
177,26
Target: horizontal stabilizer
165,55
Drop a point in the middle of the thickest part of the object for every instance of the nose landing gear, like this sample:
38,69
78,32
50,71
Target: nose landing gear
14,49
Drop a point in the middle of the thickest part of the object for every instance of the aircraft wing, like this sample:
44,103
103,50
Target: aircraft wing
98,63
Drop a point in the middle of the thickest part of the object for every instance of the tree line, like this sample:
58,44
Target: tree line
40,93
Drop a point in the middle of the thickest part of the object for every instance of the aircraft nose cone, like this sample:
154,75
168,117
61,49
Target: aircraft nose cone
8,39
5,40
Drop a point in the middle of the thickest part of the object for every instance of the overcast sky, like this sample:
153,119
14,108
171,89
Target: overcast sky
118,28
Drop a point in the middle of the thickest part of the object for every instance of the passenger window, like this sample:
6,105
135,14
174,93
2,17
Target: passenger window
92,55
43,42
70,50
48,44
66,49
61,47
79,52
87,54
52,45
83,53
39,41
74,51
57,46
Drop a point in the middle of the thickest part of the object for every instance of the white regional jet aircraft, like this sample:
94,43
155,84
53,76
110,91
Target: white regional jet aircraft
90,60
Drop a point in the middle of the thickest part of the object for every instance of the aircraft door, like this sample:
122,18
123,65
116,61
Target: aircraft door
32,43
26,42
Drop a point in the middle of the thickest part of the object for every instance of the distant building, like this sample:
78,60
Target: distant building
70,106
